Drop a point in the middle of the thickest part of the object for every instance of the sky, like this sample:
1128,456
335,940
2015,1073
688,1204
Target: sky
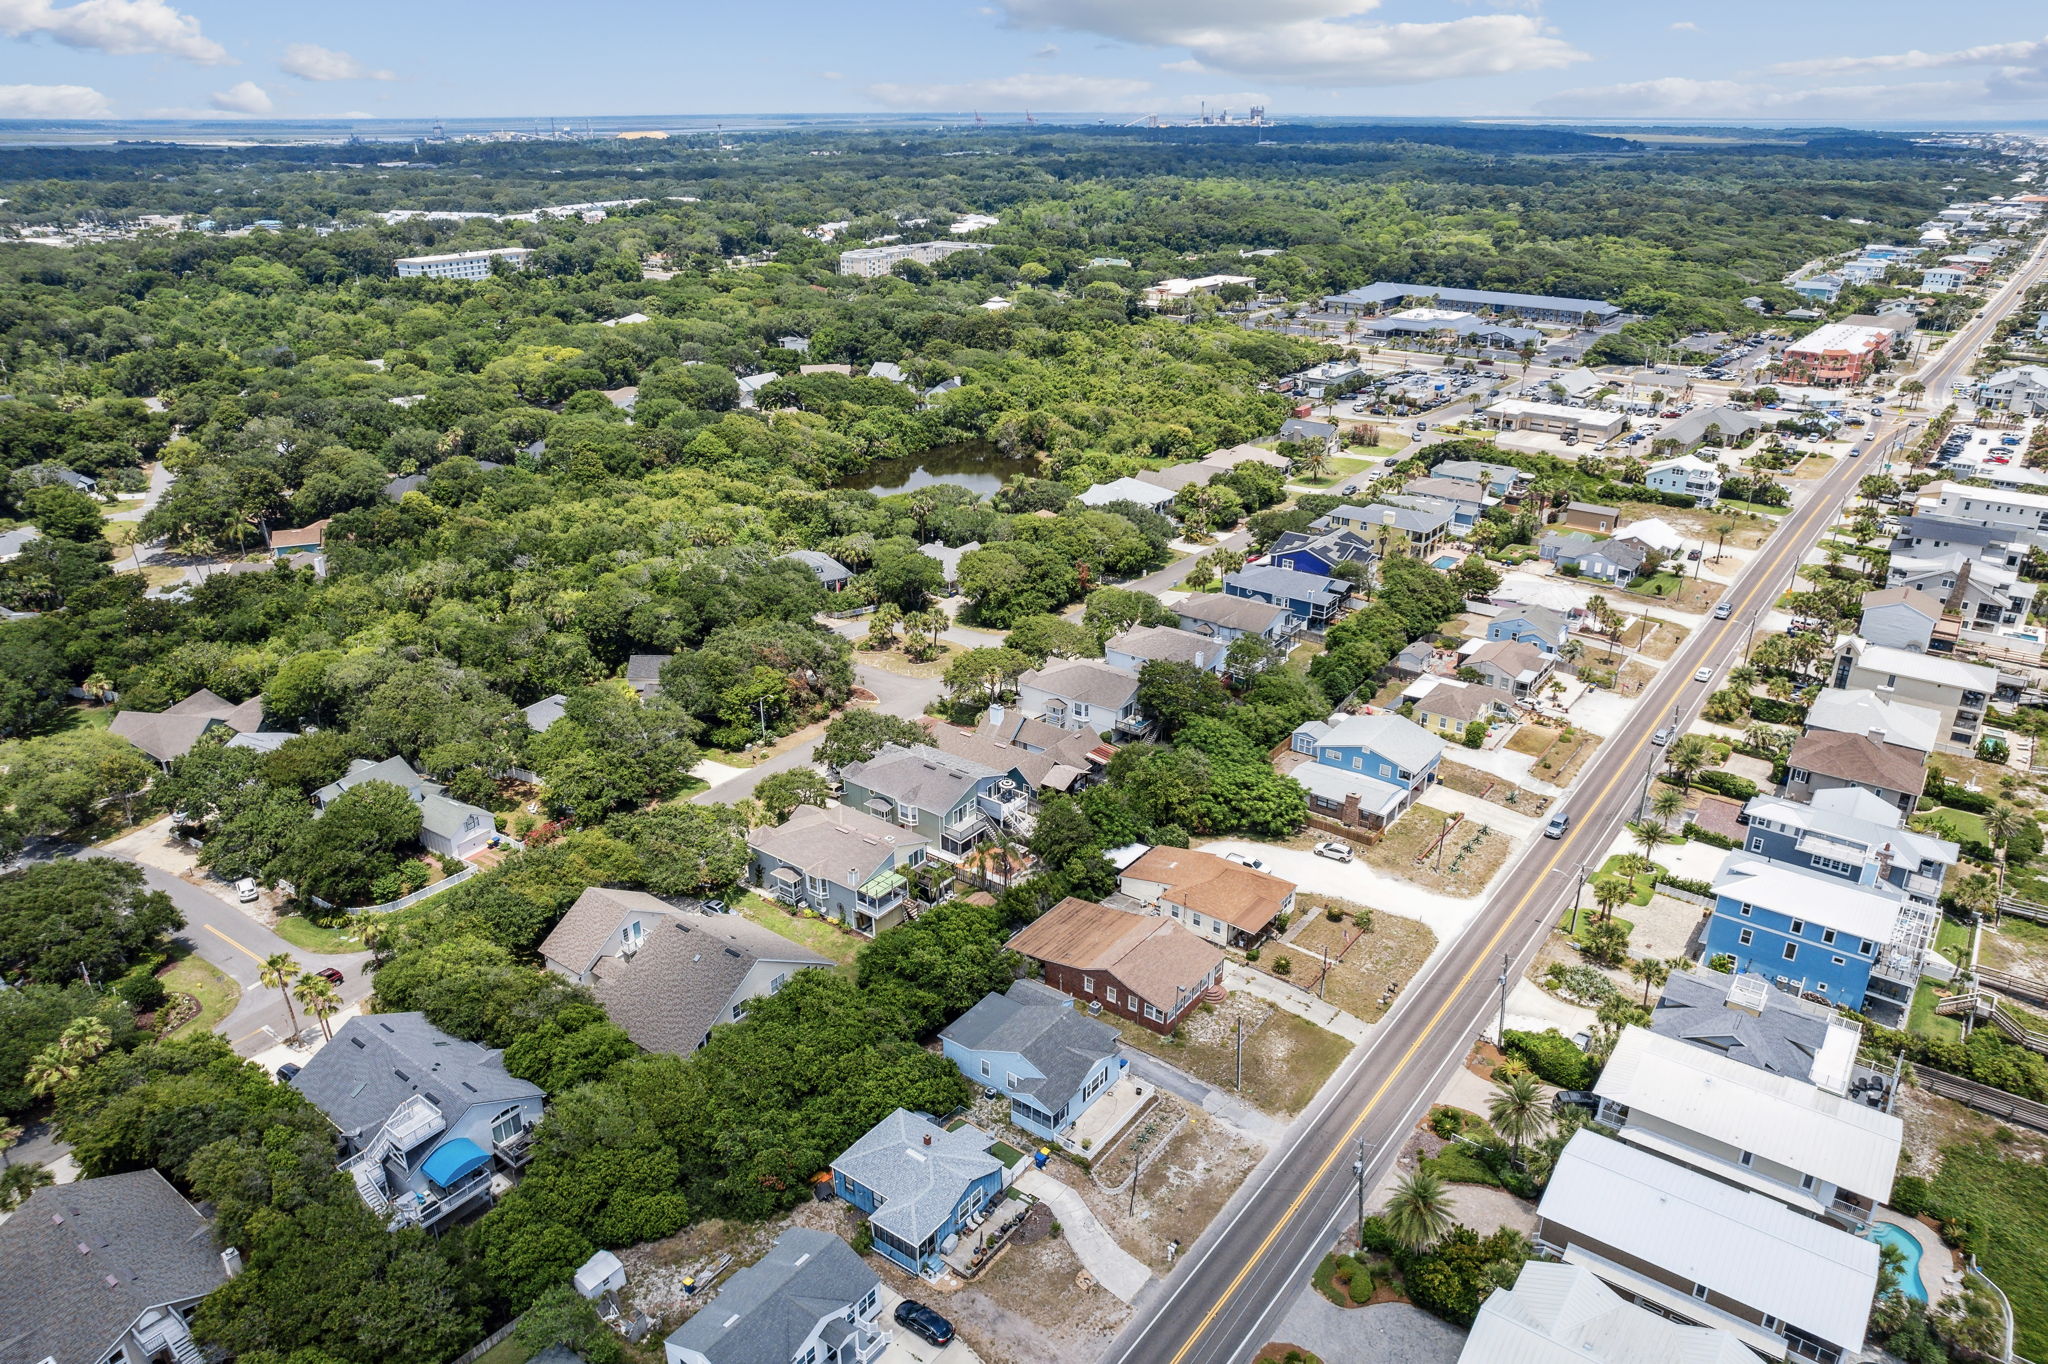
1835,61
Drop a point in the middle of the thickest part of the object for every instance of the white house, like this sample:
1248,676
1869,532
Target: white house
2020,388
1688,475
1084,694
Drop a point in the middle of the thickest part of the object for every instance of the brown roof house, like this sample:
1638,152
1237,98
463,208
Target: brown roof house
1509,666
667,975
304,540
1591,516
1224,901
1145,967
1827,760
171,732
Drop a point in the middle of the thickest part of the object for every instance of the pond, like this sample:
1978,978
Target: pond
974,465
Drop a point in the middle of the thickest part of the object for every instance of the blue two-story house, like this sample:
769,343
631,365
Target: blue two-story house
1319,552
1367,769
1813,934
1534,625
1032,1046
919,1184
426,1118
1309,597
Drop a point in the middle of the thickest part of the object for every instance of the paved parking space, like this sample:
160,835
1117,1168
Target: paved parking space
906,1347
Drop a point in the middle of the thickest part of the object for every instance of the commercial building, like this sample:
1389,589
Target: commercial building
1554,419
462,264
1373,299
1175,290
1838,353
870,261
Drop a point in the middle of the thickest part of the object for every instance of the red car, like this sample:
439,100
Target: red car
329,973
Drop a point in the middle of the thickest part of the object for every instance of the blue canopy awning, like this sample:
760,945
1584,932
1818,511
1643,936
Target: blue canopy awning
452,1160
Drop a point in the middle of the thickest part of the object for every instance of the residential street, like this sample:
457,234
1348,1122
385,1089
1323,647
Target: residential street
902,696
1247,1267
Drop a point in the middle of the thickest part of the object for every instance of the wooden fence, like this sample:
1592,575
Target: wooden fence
1996,1102
2022,909
484,1346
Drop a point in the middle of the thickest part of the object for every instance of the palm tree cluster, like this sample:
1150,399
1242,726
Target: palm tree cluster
82,1040
315,993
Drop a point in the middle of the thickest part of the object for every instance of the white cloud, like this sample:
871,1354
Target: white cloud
1049,50
1188,66
1990,54
1685,26
121,27
244,97
1685,97
360,113
53,101
831,75
311,62
1089,93
1312,42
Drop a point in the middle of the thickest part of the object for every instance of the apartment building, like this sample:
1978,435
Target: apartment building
462,264
1837,353
1955,690
870,261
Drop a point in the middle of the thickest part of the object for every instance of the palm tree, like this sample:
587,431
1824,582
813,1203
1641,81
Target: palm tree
1668,802
1648,834
1519,1110
278,972
2001,822
1609,892
85,1038
1418,1211
1688,755
1722,530
8,1136
51,1068
321,999
1651,971
17,1182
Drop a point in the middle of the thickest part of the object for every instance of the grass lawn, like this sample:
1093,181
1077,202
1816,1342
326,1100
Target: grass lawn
1659,585
1755,508
820,935
506,1351
308,936
1927,1023
1341,468
217,995
2006,1202
1645,885
1969,827
1952,940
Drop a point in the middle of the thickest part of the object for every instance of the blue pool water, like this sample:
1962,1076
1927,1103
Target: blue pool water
1446,563
1890,1234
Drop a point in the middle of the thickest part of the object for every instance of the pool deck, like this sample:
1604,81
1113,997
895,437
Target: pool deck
1939,1272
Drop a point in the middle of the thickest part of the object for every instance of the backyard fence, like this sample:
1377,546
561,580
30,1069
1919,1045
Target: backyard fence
488,1343
404,901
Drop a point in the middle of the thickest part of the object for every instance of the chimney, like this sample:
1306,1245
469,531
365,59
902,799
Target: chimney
1875,734
995,716
231,1261
1349,814
927,1139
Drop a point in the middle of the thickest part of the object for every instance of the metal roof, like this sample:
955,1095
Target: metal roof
1742,1245
1564,1314
1781,1119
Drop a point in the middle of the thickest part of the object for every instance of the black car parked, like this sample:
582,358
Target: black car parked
923,1322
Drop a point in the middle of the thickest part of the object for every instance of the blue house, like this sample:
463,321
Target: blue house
919,1184
1812,934
427,1118
1368,769
1537,625
1308,597
1033,1047
1319,552
1850,834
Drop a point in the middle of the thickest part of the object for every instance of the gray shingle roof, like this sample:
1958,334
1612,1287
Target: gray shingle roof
825,843
643,672
1230,613
440,813
545,712
1156,643
171,732
1041,1025
1784,1039
378,1061
826,568
917,1170
1286,583
580,934
1084,679
923,778
768,1310
683,978
1331,546
80,1262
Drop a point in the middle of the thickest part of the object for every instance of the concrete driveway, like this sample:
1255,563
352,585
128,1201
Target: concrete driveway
905,697
906,1347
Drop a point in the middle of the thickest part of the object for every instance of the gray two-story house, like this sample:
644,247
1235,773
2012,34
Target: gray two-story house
954,803
1084,694
839,863
425,1119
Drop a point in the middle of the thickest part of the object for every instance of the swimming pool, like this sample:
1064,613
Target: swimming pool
1891,1234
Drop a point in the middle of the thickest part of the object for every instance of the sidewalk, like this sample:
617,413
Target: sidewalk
1225,1108
1296,1001
1115,1268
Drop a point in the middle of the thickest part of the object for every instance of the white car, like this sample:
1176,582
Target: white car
1336,852
1703,675
1254,863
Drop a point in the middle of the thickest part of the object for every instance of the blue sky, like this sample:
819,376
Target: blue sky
1729,59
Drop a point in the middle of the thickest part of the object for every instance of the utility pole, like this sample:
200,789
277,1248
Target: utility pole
1578,895
1240,1054
1501,1036
1358,1169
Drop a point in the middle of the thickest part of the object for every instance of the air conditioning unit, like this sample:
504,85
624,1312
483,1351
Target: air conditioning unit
1094,1006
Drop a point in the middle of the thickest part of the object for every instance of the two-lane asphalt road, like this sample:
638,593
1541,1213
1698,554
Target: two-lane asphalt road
1220,1302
